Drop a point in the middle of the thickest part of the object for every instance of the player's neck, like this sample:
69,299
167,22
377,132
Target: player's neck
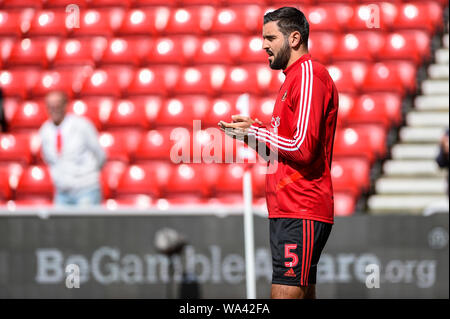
295,55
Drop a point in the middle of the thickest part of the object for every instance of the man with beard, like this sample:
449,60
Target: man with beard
299,192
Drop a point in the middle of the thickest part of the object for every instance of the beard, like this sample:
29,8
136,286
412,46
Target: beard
281,60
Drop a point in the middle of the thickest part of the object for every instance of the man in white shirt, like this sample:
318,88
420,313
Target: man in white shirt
71,149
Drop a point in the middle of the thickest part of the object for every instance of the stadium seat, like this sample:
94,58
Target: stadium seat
346,104
242,19
144,21
110,174
353,47
109,3
119,145
350,175
126,51
29,115
352,143
383,78
14,22
344,204
15,148
262,109
14,4
157,3
57,81
5,187
49,23
343,78
195,80
102,83
18,83
87,109
65,3
221,49
426,15
151,104
125,114
174,50
33,52
153,80
146,179
155,145
252,79
183,110
321,46
259,179
98,22
195,20
370,16
377,137
328,17
405,46
35,181
188,179
230,179
221,108
252,51
381,108
80,52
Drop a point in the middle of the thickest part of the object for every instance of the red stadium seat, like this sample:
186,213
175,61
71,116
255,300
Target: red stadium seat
322,45
173,50
252,51
244,19
182,110
344,204
6,45
350,175
15,148
30,115
151,104
155,145
18,83
87,109
328,17
353,47
9,175
222,49
65,81
98,22
146,179
126,114
375,134
426,15
101,82
190,20
144,21
230,179
110,174
222,108
343,78
384,109
33,52
253,79
383,78
14,22
49,23
259,172
124,51
262,109
65,3
352,143
119,145
79,52
195,80
370,16
154,80
35,181
188,179
109,3
412,45
149,3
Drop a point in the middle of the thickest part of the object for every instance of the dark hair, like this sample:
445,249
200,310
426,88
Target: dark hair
290,19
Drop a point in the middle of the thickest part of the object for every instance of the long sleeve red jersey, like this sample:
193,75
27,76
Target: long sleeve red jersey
302,136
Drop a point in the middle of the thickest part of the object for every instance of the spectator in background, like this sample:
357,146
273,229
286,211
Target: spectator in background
442,158
71,149
3,123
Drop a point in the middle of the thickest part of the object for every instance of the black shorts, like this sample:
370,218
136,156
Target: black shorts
296,246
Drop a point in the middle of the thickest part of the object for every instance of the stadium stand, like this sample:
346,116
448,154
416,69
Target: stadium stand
138,69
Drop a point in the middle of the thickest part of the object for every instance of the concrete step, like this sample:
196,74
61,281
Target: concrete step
438,71
412,134
412,204
415,151
411,168
442,55
432,102
435,87
432,119
411,185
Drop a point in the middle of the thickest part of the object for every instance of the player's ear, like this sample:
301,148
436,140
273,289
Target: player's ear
295,39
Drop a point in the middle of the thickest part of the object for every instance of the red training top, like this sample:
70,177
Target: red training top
298,183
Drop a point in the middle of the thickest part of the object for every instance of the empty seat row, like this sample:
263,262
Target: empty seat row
207,19
367,46
211,80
